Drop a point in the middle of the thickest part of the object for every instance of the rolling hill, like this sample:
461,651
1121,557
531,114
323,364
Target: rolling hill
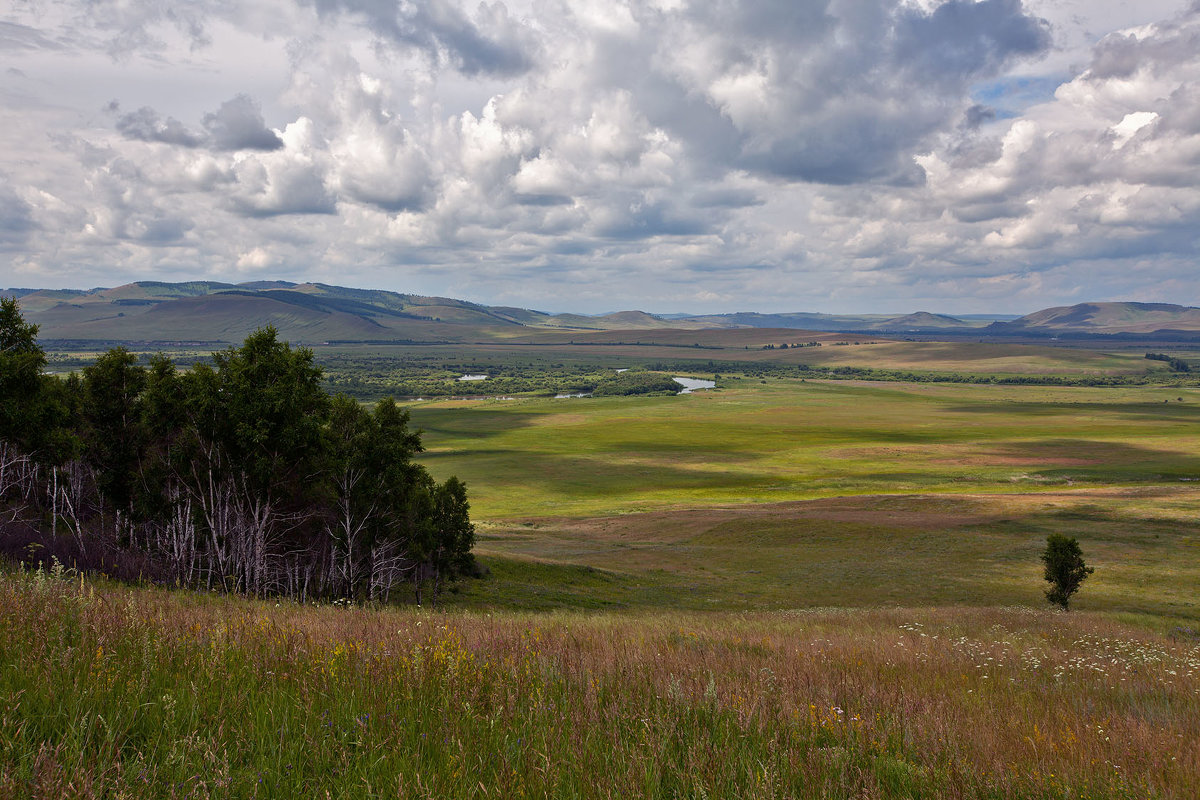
310,312
212,311
1106,318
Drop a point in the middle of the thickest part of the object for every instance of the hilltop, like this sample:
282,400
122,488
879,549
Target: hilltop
308,312
212,311
1106,318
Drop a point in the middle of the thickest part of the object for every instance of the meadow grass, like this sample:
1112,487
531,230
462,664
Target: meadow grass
979,550
112,691
790,440
805,493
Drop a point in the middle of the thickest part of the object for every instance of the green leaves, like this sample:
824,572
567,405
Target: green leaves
244,474
21,364
266,408
114,434
1065,569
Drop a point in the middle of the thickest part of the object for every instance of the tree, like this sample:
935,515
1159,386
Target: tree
255,428
1065,569
373,479
21,363
113,433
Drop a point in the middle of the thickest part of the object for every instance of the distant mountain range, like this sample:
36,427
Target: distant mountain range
210,312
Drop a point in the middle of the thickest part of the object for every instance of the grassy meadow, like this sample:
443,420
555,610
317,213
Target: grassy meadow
791,493
116,692
777,588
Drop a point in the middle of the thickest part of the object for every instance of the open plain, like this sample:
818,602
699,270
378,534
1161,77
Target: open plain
780,587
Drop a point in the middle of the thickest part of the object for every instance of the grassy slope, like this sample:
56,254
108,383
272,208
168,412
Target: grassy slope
113,692
786,495
1114,317
770,495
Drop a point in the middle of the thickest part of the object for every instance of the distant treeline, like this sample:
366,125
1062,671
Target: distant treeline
636,383
1177,364
751,369
244,475
368,378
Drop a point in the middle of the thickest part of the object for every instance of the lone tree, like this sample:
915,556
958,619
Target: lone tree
1065,569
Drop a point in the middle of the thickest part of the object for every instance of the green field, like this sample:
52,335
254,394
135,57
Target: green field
791,493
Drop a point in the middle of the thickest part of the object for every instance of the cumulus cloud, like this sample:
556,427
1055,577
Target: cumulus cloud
291,181
493,42
16,218
1095,187
874,148
145,125
835,92
238,125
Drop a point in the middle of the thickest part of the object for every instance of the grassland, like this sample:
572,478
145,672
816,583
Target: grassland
790,440
779,588
769,495
114,692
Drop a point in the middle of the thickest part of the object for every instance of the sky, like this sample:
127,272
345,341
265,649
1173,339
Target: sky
570,155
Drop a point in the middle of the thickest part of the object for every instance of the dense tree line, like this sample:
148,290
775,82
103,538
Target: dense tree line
764,370
632,382
1176,364
244,475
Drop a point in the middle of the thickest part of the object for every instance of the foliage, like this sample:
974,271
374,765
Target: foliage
242,475
21,363
1065,569
636,383
1176,364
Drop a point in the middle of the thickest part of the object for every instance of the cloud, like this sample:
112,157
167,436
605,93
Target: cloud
290,181
238,125
14,36
492,43
1106,171
839,92
876,150
145,125
16,218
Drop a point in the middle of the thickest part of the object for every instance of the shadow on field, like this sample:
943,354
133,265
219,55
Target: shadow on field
1167,412
512,470
1087,459
470,421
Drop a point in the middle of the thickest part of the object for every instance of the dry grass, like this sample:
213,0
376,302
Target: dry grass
114,692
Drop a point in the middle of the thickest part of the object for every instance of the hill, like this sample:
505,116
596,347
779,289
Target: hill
1106,318
919,321
309,312
213,311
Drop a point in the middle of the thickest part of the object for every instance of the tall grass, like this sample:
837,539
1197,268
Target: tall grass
107,691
